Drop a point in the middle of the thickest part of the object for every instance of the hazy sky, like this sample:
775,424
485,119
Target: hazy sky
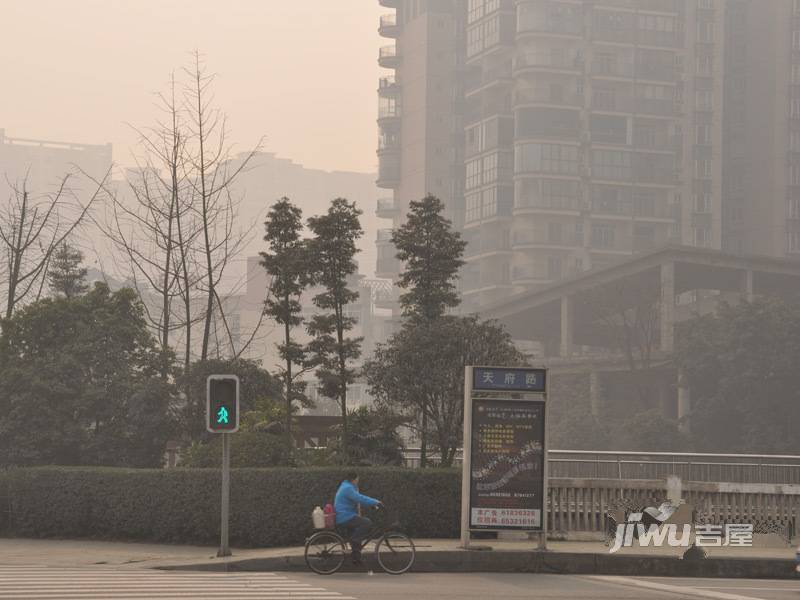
303,73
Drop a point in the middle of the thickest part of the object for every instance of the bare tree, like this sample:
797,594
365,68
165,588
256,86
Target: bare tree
152,225
628,317
32,228
211,172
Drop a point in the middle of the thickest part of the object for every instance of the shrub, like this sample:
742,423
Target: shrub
269,507
248,449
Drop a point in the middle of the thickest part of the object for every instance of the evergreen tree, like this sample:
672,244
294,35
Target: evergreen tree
66,276
432,252
333,249
287,263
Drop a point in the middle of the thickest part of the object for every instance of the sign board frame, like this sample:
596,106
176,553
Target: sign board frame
485,389
209,379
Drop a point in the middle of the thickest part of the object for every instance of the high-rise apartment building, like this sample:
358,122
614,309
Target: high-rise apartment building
761,211
593,129
420,145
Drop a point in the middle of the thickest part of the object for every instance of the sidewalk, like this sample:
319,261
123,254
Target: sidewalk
69,553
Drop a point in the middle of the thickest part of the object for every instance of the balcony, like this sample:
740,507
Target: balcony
548,95
388,113
388,171
388,26
388,57
387,208
388,87
532,239
384,236
480,247
522,274
559,61
387,267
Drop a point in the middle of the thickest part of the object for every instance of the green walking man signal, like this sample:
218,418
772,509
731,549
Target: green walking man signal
222,403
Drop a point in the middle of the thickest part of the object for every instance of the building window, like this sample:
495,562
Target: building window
794,174
705,31
473,174
473,212
475,10
794,141
703,135
550,158
554,267
795,113
554,232
559,193
603,236
655,23
796,74
611,164
792,241
796,39
793,208
705,65
702,237
702,203
702,168
703,100
490,168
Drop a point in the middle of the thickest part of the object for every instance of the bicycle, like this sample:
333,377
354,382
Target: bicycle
326,550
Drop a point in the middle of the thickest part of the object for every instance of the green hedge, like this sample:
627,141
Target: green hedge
269,507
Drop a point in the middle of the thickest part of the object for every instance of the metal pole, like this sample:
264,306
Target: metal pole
224,548
466,455
545,474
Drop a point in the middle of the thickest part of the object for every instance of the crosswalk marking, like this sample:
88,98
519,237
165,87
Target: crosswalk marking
32,582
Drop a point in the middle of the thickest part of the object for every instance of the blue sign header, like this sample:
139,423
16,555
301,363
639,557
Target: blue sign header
512,379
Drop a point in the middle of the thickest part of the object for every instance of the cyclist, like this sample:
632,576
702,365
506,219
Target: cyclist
347,503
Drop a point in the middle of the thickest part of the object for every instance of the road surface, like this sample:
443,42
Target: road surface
93,583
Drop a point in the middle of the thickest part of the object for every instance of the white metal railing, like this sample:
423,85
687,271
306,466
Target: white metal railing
702,467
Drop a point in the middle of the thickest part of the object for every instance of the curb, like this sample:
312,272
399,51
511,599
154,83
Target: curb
510,561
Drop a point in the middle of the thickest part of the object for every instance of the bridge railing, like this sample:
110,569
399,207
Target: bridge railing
584,504
701,467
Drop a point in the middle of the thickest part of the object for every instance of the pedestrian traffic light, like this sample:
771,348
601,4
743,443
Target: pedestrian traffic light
222,403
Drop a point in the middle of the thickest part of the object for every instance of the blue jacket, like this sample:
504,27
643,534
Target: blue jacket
347,500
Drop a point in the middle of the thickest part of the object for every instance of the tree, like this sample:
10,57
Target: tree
740,364
334,248
424,366
32,228
628,316
432,252
372,437
65,275
212,178
287,262
81,382
151,223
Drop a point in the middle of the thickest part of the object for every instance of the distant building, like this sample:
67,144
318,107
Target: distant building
44,164
268,177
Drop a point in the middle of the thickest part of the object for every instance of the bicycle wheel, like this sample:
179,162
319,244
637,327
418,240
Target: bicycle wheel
325,552
395,553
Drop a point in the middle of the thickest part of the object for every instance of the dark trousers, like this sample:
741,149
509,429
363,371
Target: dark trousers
359,528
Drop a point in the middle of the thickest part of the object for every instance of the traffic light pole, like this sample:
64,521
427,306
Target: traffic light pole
224,548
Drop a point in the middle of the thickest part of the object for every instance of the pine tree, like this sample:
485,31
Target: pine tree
65,275
287,262
432,252
333,249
